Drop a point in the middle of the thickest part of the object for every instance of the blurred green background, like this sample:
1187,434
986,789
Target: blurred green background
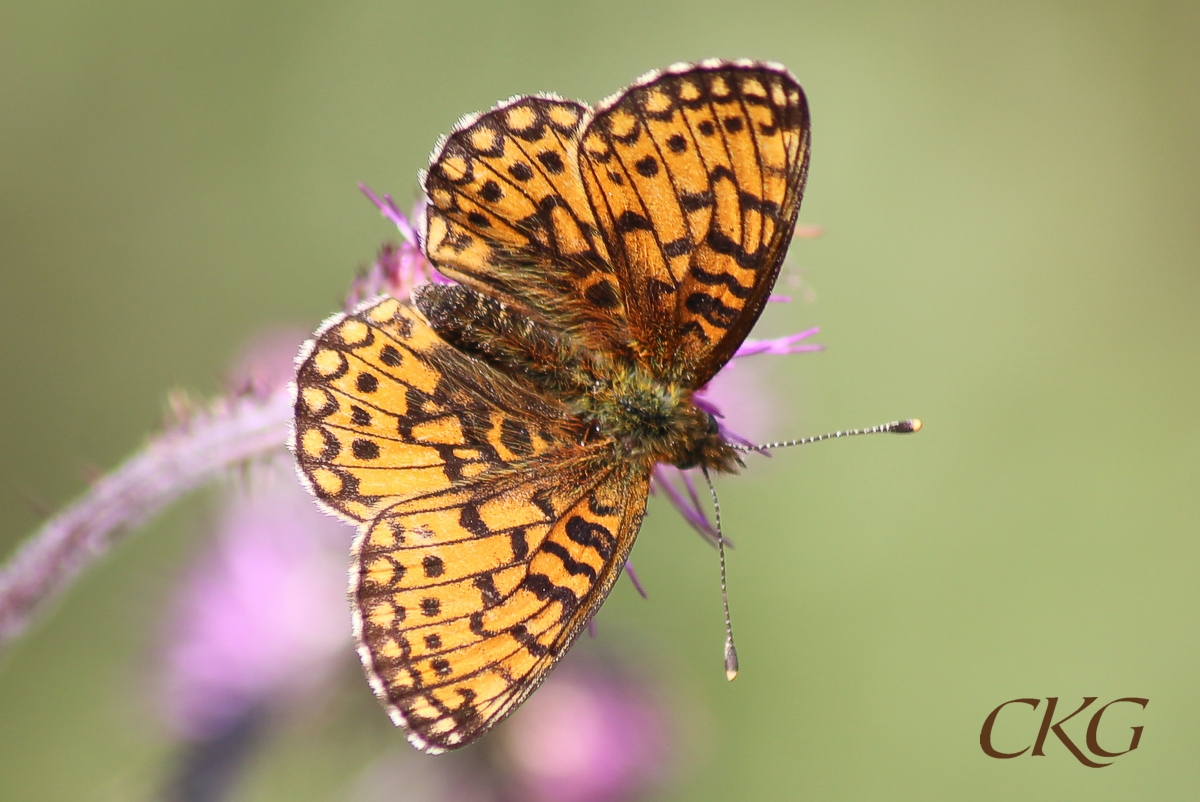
1010,198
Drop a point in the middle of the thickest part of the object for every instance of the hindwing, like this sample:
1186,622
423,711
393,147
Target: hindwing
465,598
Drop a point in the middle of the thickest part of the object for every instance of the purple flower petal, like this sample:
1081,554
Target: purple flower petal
387,207
633,578
694,515
780,345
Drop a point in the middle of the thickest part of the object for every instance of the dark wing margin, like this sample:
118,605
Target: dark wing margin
695,177
465,599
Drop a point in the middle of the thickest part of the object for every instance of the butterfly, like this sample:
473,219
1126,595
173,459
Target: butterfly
494,437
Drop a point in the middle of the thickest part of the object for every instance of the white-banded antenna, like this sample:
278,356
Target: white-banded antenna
895,427
731,659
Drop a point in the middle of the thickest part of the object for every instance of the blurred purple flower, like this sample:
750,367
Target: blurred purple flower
266,363
262,613
588,735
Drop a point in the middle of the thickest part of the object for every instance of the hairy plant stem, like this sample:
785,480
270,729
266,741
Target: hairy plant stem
194,451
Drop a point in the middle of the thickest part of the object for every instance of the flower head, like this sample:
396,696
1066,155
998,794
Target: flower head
262,614
590,734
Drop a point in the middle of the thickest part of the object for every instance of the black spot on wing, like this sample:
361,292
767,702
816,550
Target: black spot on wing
711,309
366,383
491,191
520,171
551,161
647,166
602,294
365,449
592,535
572,566
632,221
713,279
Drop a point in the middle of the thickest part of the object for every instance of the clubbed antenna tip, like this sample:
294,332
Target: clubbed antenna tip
731,661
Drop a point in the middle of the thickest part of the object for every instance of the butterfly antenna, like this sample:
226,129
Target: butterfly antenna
731,659
896,427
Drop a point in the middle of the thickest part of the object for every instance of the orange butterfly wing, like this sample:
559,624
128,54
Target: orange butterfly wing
465,599
385,410
695,177
489,534
507,215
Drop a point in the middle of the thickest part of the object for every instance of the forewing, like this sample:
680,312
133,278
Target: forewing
507,215
386,410
695,177
465,599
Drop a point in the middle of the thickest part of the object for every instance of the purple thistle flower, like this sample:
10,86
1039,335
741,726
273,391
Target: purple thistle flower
588,735
739,388
262,614
780,345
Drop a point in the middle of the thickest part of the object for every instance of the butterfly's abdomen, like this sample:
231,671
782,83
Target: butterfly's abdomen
505,339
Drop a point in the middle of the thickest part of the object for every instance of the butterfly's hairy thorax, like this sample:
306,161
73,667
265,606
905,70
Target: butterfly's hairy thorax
655,420
650,418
